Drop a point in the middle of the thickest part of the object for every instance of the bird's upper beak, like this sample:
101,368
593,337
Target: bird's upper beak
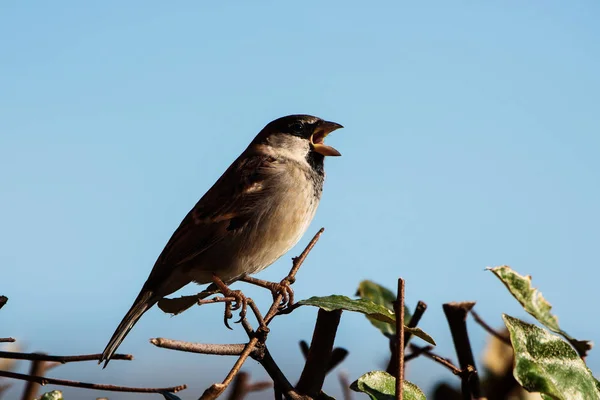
318,137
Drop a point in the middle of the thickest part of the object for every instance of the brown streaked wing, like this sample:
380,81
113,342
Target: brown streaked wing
224,209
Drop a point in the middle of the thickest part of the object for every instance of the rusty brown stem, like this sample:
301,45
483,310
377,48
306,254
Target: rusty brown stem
399,310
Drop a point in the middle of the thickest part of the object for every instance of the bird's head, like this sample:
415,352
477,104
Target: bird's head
298,137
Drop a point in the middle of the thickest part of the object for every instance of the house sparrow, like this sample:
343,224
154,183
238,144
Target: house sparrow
255,213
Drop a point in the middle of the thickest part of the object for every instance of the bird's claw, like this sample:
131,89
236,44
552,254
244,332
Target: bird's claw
240,303
285,290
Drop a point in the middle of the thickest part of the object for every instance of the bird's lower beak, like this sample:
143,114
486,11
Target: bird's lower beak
318,137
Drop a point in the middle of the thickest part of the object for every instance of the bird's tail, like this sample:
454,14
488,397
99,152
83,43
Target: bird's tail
145,300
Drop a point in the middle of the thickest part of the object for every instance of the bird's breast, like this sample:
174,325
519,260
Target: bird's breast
287,215
287,205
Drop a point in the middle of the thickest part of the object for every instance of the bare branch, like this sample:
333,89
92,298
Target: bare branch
241,386
95,386
3,300
202,348
416,353
444,361
60,359
37,368
319,356
238,389
7,340
345,383
456,314
489,329
282,385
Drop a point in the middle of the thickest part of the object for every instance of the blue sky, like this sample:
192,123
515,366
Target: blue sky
471,139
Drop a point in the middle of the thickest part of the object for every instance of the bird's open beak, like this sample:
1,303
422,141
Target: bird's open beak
318,137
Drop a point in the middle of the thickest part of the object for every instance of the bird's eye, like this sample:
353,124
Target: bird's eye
297,127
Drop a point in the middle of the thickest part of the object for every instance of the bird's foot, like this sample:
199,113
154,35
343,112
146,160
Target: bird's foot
282,288
238,301
234,300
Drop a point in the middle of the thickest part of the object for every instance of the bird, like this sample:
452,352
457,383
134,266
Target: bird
255,213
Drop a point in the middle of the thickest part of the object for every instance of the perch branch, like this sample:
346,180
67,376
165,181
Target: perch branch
7,340
218,388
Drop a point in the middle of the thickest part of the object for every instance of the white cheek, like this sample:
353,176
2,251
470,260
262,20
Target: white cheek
290,147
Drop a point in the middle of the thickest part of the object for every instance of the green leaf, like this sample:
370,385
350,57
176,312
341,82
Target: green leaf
53,395
337,302
367,307
418,332
369,290
380,385
546,363
534,303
